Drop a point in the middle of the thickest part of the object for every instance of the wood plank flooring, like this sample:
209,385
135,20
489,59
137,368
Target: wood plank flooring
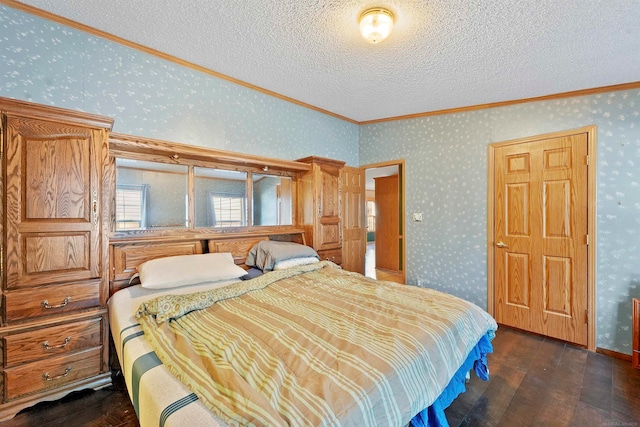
535,381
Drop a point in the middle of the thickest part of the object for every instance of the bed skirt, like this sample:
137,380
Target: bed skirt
434,416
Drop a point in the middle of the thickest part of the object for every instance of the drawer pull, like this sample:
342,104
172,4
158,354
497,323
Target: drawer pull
48,346
46,306
48,378
95,207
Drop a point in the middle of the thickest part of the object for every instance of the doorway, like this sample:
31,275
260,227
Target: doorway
385,247
541,232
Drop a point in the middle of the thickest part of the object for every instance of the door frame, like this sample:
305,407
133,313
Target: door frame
402,194
591,132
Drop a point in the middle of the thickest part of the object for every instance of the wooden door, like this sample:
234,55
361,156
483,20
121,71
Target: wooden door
387,223
53,192
540,236
353,219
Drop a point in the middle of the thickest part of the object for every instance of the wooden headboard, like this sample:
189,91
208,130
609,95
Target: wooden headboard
239,246
126,256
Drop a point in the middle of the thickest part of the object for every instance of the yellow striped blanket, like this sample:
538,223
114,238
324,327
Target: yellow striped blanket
314,345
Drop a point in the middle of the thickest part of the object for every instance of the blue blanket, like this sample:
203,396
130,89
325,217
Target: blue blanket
434,416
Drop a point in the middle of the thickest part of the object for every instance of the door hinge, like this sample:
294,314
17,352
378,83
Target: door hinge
587,239
587,157
586,316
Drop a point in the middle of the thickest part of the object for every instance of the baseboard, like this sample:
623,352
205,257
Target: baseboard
615,354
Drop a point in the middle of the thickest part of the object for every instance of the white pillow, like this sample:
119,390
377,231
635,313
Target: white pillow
183,270
294,262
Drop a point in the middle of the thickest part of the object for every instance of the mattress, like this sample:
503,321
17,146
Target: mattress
160,399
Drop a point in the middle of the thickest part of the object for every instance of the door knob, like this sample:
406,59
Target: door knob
502,244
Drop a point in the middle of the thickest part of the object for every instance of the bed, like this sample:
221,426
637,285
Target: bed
302,351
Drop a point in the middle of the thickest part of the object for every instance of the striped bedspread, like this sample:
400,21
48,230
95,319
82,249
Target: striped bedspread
314,345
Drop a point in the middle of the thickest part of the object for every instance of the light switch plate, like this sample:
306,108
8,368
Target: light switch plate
416,217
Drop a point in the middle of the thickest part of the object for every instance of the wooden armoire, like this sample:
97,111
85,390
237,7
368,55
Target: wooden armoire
319,207
53,330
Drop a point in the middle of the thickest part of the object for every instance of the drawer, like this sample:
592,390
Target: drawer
52,372
333,255
42,343
50,300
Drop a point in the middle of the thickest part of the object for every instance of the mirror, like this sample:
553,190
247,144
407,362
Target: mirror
150,195
220,198
155,195
271,200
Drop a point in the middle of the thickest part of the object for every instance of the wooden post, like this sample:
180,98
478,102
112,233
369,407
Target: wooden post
636,333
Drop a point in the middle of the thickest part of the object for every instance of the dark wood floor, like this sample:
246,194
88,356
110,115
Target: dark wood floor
534,382
537,381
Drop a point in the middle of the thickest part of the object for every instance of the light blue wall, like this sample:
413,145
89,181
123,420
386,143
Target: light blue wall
446,179
51,64
446,156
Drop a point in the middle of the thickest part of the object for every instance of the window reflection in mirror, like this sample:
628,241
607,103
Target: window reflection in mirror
271,200
220,198
150,195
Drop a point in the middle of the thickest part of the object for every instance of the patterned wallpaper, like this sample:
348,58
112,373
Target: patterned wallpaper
55,65
446,156
446,180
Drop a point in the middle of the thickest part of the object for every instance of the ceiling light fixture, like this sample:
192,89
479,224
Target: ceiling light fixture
376,24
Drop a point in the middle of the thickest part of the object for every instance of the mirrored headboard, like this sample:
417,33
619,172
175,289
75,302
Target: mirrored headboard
162,188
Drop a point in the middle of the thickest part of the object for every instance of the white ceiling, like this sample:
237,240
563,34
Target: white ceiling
442,54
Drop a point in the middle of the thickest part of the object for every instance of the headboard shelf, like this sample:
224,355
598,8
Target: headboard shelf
127,145
174,235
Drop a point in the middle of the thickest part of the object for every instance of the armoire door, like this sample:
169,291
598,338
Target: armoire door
540,236
53,192
328,227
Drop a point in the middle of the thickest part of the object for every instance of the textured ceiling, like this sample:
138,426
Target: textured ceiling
442,54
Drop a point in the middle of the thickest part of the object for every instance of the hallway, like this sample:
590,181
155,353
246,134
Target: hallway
370,260
370,269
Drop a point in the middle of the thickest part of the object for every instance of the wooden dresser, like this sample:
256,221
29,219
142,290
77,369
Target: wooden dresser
54,329
635,357
319,209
